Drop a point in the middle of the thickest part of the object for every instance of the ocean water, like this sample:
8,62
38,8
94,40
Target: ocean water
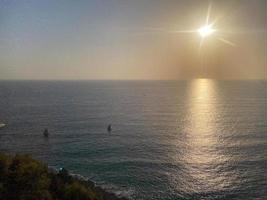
199,139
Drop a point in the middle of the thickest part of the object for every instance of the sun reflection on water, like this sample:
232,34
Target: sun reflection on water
202,159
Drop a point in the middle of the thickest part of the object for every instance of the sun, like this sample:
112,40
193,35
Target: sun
206,30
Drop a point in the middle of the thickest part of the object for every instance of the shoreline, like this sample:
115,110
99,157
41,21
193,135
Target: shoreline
106,194
33,179
109,195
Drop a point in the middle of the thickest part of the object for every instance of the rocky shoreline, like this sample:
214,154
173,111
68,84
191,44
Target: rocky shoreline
104,193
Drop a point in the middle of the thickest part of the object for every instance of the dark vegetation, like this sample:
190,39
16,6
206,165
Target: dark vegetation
24,178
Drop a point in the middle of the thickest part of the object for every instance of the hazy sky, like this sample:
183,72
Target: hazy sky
131,39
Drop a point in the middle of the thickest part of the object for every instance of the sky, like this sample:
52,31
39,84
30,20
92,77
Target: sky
131,39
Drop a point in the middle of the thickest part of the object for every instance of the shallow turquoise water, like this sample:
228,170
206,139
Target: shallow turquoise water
199,139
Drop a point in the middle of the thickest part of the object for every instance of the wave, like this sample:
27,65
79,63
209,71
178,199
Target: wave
105,186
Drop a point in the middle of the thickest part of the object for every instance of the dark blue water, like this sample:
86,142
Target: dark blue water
200,139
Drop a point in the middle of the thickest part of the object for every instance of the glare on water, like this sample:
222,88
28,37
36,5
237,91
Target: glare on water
201,157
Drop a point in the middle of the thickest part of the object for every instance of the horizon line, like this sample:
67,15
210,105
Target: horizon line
186,79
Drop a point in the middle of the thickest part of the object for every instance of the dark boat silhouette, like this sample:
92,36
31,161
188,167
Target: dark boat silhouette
46,133
109,129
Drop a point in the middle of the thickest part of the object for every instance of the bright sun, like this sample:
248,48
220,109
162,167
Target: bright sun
206,31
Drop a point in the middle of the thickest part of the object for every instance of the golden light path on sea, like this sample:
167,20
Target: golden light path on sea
202,134
202,156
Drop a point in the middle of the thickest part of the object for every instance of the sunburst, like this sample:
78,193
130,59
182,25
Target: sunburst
208,29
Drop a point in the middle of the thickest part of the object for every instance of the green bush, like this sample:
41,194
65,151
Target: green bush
26,179
4,163
23,178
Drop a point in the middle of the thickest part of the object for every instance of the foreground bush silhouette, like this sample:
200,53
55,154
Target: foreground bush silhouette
23,178
27,179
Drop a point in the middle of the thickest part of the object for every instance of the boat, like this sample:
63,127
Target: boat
109,129
46,133
2,125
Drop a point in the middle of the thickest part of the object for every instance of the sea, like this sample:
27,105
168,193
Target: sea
195,139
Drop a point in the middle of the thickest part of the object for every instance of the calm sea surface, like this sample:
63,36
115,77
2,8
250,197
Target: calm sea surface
199,139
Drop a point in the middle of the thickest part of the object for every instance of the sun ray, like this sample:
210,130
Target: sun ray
227,42
169,31
201,44
216,20
208,13
244,32
150,31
